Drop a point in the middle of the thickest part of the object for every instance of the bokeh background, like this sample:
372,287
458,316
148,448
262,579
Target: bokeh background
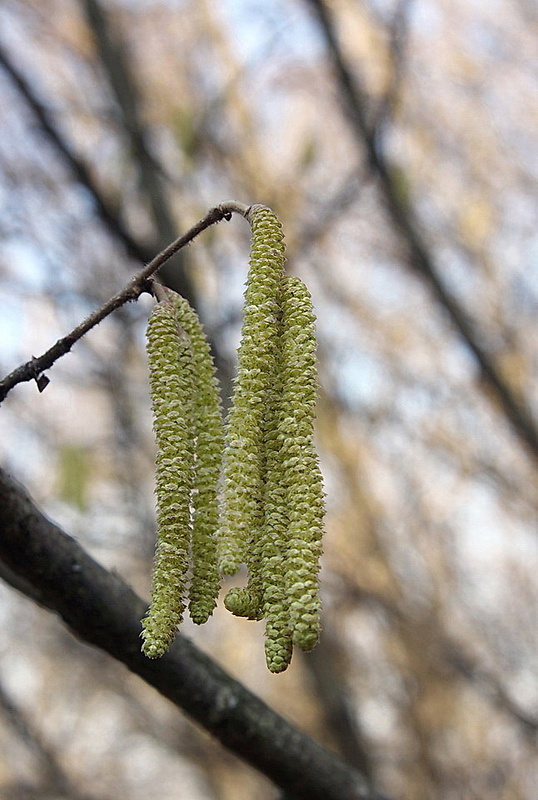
397,142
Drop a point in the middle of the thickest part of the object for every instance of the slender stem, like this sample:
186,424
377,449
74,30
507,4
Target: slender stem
33,369
158,291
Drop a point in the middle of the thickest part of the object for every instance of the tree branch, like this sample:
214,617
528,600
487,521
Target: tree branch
75,164
114,60
356,104
173,274
103,611
398,36
33,369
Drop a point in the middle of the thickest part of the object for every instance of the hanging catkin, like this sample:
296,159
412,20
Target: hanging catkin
242,515
290,545
272,506
273,494
300,470
273,543
209,442
171,375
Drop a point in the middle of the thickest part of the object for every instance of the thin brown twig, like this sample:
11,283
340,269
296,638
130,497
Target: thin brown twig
33,369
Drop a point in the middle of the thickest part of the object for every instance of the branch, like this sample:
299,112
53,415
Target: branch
398,36
76,165
173,275
332,687
33,369
355,102
103,611
490,687
454,654
115,62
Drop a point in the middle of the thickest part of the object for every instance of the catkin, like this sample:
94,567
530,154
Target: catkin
172,384
299,463
244,468
291,541
273,541
278,637
242,603
209,432
273,493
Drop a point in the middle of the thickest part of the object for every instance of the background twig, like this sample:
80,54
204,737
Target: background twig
356,104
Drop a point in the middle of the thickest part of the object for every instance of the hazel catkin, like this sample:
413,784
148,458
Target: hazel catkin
299,464
171,384
243,460
273,493
209,442
271,514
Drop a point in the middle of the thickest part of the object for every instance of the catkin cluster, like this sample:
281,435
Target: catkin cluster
189,432
265,463
273,495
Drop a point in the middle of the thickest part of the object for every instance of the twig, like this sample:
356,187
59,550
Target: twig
398,37
77,166
33,369
118,71
54,780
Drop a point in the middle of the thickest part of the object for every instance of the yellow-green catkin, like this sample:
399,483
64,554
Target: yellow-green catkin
272,509
263,540
209,433
248,601
244,469
273,542
172,385
299,464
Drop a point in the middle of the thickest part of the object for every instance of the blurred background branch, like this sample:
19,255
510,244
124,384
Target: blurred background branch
402,217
